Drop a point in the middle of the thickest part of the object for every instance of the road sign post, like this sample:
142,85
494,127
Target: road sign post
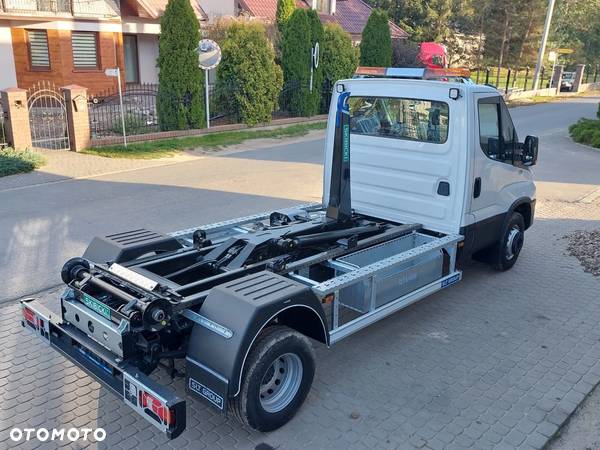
116,72
209,57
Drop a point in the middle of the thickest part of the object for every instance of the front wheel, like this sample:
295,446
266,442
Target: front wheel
509,247
278,375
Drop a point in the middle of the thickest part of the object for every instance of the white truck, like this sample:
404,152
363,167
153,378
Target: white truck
419,175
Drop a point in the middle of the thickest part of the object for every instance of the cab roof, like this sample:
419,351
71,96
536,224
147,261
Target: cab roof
470,87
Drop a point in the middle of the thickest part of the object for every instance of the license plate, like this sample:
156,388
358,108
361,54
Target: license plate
95,305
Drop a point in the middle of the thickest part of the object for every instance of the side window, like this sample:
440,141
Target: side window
497,134
509,135
489,128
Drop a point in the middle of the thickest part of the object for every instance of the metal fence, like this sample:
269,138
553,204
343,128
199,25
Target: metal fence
139,111
509,79
141,115
591,74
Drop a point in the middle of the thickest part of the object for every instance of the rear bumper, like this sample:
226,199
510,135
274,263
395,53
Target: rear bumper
154,402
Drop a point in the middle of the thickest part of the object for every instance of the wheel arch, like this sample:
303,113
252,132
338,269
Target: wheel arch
524,206
217,360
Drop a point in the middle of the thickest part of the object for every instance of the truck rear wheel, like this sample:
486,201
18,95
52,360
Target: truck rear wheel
277,377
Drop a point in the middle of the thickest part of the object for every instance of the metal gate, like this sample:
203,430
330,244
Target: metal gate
48,117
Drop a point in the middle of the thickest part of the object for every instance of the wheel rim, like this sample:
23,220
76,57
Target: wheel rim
514,242
281,382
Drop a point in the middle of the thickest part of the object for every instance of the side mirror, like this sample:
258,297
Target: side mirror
529,152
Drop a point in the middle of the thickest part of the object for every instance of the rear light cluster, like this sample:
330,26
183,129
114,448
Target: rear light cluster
30,317
156,409
35,321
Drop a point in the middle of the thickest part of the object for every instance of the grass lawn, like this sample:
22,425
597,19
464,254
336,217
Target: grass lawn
19,161
169,147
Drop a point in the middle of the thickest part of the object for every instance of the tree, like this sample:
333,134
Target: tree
339,57
285,9
576,25
424,21
316,35
376,44
180,99
295,62
405,53
249,81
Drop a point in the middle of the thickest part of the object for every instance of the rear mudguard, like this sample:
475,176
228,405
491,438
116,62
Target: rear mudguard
231,318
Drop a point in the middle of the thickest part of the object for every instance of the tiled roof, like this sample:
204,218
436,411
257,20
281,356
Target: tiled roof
156,8
352,15
265,9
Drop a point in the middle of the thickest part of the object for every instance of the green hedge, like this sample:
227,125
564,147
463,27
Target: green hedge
587,131
338,57
248,81
180,100
376,44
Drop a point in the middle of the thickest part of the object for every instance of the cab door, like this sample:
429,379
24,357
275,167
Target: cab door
493,171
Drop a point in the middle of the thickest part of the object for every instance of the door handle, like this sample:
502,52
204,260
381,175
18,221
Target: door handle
477,187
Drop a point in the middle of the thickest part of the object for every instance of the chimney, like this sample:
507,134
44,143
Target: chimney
332,7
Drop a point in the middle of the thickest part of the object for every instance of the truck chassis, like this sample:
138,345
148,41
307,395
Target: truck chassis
235,301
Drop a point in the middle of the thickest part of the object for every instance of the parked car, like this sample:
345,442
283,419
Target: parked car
566,84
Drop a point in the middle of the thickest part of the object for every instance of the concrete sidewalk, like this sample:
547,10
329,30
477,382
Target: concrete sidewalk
64,165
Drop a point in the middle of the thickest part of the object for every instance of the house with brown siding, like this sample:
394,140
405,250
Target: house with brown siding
75,41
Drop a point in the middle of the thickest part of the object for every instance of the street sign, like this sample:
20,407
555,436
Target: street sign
111,72
209,54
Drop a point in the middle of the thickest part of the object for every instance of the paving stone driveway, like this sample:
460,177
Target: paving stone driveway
500,360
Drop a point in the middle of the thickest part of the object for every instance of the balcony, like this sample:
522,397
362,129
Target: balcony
61,8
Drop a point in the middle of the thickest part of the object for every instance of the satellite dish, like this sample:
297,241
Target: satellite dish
209,54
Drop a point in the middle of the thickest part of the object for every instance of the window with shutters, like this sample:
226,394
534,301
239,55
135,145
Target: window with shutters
39,57
85,49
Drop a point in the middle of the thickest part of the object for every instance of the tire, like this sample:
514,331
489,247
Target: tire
505,253
277,376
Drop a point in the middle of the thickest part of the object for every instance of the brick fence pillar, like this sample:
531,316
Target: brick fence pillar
77,116
556,78
578,81
16,123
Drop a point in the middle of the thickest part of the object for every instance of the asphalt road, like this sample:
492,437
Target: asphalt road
41,226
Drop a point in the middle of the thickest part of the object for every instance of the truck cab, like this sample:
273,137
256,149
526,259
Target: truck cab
445,155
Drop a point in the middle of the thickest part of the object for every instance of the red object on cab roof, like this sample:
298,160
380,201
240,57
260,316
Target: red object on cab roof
433,55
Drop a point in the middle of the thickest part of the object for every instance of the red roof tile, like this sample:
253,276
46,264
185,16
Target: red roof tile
352,15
